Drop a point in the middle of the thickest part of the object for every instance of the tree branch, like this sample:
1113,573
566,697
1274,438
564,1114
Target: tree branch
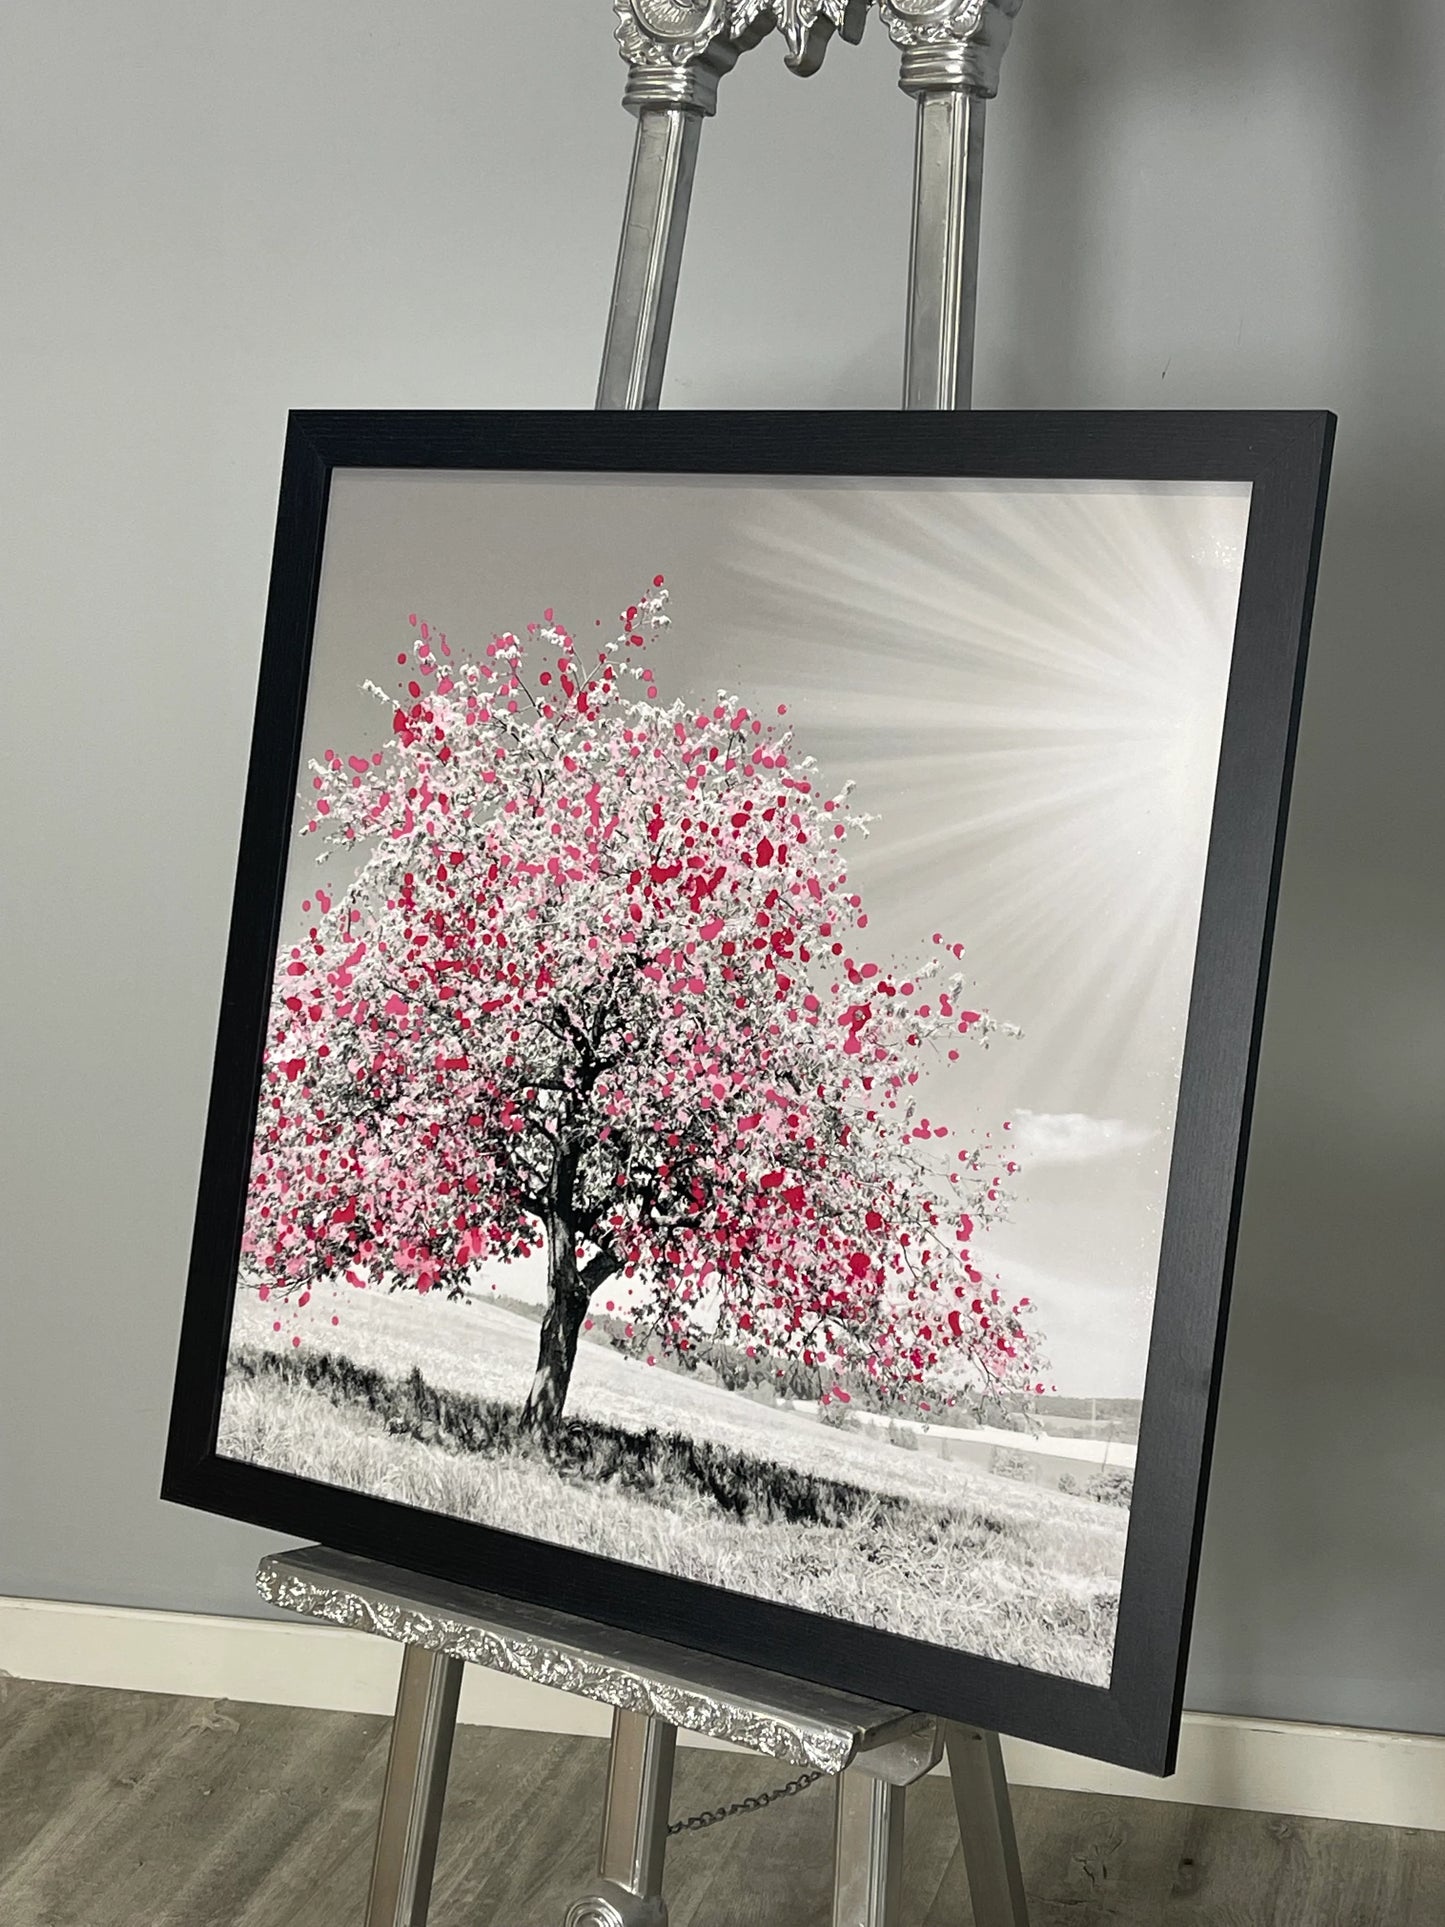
598,1269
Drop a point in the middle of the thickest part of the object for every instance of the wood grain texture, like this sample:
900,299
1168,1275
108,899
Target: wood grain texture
134,1810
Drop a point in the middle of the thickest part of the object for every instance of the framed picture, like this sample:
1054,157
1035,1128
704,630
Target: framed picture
739,1027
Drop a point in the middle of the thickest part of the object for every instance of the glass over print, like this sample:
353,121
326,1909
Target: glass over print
721,1067
725,1039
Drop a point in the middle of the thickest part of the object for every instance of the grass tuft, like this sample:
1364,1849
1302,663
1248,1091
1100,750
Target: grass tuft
654,1465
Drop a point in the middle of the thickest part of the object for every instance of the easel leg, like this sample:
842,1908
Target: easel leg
415,1787
671,100
943,260
986,1827
650,257
867,1851
628,1892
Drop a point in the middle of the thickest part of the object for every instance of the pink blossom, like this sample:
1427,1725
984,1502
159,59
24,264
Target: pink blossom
506,1025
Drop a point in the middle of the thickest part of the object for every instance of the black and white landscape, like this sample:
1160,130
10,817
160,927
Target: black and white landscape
1004,1543
720,1089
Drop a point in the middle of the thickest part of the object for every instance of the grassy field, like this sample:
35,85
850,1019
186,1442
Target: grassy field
415,1400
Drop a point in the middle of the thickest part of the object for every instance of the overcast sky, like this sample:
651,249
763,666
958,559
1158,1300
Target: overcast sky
1026,683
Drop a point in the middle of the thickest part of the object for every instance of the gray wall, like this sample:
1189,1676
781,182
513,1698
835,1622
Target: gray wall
213,212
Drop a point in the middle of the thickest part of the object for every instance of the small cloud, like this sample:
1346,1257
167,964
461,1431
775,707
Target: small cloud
1072,1137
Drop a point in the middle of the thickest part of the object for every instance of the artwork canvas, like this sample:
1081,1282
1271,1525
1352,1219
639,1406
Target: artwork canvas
742,999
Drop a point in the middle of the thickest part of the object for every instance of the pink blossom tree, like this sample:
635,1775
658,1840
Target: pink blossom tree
596,988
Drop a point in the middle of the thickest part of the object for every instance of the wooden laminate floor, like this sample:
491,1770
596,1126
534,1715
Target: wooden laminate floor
129,1810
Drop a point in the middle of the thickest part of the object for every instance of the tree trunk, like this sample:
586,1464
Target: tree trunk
567,1300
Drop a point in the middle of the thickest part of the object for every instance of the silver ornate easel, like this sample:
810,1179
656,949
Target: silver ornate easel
677,51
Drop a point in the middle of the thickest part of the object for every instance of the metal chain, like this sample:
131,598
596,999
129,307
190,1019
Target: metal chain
754,1803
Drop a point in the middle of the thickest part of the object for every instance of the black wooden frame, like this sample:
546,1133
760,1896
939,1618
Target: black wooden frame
1285,456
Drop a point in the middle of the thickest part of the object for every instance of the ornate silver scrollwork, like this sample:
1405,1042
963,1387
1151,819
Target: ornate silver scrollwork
547,1658
667,33
677,51
950,43
806,25
663,35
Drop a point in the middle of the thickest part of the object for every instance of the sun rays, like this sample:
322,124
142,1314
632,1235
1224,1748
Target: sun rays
1028,686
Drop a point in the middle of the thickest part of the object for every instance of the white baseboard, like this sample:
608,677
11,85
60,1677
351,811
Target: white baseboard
1267,1766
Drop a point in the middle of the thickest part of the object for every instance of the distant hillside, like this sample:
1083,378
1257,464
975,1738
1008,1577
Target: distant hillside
717,1362
521,1307
1098,1409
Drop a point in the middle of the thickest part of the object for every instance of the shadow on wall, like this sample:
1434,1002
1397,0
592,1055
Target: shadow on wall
1311,274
